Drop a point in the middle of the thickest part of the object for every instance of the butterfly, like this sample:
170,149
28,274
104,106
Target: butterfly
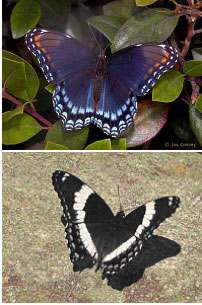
98,90
95,235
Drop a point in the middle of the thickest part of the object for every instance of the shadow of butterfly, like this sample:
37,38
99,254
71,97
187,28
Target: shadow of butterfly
98,90
155,249
96,236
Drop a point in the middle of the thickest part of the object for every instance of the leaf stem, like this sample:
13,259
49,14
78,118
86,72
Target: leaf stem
30,111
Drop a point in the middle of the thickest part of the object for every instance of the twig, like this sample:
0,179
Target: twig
195,89
197,31
191,21
32,112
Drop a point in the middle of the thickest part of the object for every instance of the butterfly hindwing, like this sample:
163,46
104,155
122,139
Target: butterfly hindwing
116,108
75,106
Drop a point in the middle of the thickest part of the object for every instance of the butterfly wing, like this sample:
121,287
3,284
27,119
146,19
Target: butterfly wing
145,219
65,60
141,223
85,218
140,66
116,108
58,54
73,102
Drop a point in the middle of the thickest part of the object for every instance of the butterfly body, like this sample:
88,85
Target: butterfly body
100,72
95,236
98,90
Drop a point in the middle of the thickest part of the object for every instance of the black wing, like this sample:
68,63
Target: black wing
140,223
85,217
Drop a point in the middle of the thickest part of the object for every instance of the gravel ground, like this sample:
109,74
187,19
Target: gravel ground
36,265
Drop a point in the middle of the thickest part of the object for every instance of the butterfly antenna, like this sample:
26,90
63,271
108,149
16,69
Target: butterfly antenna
107,45
121,209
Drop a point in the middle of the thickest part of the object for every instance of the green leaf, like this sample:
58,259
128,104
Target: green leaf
72,139
145,2
55,14
32,80
196,122
107,25
197,53
13,75
169,87
25,16
6,116
118,144
124,8
19,129
198,103
193,68
182,129
145,26
53,146
150,119
100,145
43,97
74,27
50,88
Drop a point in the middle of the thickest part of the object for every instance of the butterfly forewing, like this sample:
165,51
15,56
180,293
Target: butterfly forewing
85,217
145,219
58,54
140,66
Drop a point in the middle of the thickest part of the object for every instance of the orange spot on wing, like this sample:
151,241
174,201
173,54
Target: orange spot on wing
36,38
146,77
167,54
164,60
157,65
48,57
38,44
43,50
151,70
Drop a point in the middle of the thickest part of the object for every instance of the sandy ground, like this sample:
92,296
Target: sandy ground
36,265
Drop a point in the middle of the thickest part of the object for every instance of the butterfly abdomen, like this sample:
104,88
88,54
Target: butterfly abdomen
100,72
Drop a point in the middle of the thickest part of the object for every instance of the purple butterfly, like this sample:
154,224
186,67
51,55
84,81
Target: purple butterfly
98,90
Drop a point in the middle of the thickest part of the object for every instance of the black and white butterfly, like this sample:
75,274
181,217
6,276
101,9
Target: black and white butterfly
95,236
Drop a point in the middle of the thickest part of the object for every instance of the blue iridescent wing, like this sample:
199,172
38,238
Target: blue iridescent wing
140,66
73,102
64,60
133,70
58,54
117,107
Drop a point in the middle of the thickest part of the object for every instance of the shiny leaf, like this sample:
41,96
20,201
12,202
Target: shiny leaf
169,87
72,139
150,119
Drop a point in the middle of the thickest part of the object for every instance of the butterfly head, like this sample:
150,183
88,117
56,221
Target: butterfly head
118,220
